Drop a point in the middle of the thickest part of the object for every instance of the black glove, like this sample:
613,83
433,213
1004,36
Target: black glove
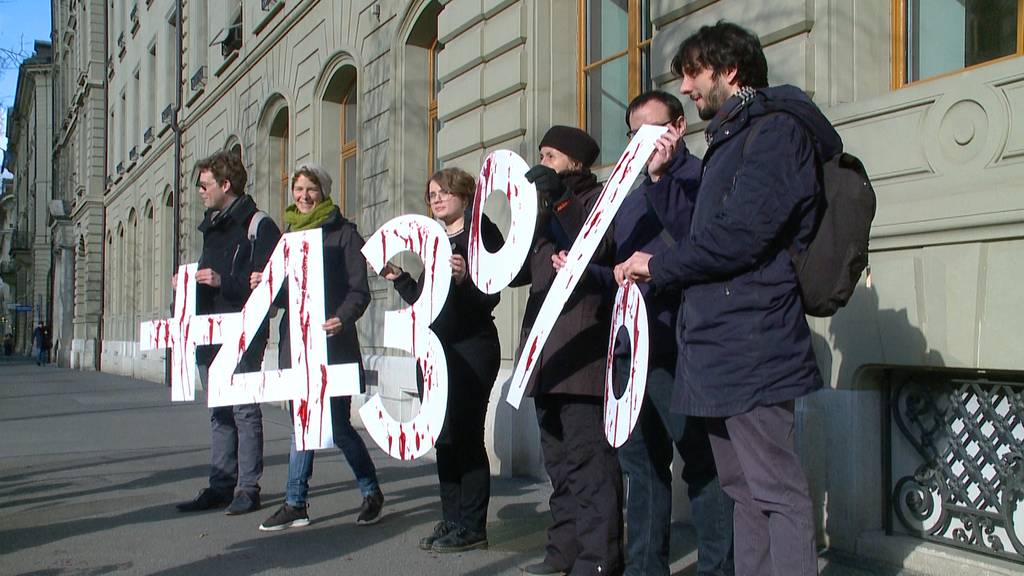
547,181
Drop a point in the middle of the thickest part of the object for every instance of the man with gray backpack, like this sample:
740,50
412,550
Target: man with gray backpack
237,240
768,243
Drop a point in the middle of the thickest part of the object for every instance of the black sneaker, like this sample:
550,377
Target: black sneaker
442,528
205,500
370,510
243,503
285,517
460,540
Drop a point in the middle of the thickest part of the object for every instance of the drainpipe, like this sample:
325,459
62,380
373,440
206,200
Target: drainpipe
176,186
98,352
176,128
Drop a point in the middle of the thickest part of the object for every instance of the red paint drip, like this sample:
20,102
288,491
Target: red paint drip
305,265
323,391
211,328
593,222
401,442
304,420
529,357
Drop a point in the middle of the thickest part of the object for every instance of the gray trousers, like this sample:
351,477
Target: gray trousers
759,468
236,446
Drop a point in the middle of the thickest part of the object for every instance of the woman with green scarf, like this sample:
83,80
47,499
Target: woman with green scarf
346,294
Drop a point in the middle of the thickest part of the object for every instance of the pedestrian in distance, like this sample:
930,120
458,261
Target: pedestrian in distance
222,286
466,330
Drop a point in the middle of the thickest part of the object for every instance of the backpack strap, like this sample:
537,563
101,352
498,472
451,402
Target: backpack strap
254,224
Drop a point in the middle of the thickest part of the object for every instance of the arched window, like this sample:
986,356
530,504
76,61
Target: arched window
165,270
148,262
234,146
110,266
272,174
131,277
119,284
418,104
339,136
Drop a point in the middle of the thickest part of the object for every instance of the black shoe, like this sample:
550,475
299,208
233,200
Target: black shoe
205,500
542,568
460,540
441,529
243,503
370,510
285,517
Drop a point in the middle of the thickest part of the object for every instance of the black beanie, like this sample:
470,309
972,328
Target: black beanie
572,142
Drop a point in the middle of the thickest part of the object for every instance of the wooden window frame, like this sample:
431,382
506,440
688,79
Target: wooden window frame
432,106
899,47
635,46
349,148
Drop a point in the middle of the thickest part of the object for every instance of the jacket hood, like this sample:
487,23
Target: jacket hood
794,101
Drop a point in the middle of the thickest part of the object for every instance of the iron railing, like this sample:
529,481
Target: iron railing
955,471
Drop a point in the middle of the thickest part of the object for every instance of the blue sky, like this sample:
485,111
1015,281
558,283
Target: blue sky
21,23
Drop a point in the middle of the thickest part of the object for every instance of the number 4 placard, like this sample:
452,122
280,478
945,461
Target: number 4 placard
309,383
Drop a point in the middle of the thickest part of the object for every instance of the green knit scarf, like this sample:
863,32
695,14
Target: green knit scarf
297,221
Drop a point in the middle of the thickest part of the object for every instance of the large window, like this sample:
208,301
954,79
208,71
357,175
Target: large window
339,137
936,37
433,124
614,67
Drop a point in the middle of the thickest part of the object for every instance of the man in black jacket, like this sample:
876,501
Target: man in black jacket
745,353
651,219
228,258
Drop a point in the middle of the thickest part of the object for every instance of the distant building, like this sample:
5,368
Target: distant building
29,133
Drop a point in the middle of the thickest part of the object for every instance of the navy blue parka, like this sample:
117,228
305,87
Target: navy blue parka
744,339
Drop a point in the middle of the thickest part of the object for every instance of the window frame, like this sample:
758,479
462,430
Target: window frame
635,46
899,48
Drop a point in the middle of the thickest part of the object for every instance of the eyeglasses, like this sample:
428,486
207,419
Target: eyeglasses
631,133
441,194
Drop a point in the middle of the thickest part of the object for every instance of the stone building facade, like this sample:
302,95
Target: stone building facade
384,91
29,132
79,149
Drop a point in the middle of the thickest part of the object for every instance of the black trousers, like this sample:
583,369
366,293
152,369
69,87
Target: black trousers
585,535
463,469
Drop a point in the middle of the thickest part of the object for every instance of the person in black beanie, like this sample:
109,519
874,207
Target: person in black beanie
567,386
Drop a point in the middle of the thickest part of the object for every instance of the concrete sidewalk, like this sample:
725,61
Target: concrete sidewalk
92,464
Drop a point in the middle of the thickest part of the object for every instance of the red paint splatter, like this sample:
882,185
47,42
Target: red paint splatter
529,356
211,328
304,419
323,391
401,442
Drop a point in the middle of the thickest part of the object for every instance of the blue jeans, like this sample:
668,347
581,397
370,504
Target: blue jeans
346,438
645,458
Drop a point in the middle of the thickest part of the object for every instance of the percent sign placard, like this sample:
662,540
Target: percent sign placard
493,271
310,382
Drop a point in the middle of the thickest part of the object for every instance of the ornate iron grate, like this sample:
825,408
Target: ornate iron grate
966,487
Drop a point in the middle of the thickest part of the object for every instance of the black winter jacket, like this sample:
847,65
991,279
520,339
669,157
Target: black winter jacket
573,359
744,339
227,250
347,293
